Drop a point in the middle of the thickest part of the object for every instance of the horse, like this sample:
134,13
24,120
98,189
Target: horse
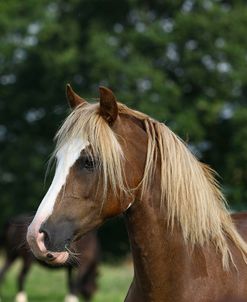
81,273
113,160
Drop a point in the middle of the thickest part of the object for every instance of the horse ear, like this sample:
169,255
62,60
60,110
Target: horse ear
108,105
73,98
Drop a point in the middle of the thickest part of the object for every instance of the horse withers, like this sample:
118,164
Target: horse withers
81,272
113,160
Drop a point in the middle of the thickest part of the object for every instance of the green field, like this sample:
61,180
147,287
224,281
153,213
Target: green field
50,285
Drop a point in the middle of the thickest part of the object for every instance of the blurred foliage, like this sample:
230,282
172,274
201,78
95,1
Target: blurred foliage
182,62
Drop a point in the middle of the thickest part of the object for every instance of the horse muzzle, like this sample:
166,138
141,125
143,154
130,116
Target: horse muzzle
36,241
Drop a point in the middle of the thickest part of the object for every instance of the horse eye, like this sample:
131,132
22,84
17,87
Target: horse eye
89,164
86,163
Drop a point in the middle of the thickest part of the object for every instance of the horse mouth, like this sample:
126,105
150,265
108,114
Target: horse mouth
51,258
56,258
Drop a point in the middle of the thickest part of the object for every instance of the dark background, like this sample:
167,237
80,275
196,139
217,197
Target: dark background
182,62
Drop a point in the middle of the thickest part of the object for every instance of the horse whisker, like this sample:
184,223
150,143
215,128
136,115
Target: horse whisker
71,252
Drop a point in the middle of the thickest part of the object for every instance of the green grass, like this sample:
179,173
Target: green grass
44,285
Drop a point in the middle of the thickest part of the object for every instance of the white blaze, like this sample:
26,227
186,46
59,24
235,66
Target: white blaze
66,157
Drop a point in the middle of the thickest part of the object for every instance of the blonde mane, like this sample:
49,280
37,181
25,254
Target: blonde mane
189,192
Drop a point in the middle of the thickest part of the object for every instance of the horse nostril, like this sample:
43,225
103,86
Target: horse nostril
46,237
46,240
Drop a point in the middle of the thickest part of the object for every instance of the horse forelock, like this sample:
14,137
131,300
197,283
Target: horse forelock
85,123
190,194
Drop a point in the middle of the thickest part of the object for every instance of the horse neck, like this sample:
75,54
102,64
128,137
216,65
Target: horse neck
158,253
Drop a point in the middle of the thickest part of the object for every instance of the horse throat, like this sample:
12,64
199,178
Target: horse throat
158,253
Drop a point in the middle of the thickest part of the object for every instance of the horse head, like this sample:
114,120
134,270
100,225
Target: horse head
100,156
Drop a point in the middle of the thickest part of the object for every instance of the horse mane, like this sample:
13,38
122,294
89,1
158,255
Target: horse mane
190,194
